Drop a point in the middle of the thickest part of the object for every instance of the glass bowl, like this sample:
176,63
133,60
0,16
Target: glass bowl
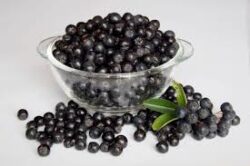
113,93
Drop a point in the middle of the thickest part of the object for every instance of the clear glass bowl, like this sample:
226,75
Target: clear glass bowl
113,93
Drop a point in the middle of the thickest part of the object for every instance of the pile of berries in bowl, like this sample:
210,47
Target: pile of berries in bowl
114,63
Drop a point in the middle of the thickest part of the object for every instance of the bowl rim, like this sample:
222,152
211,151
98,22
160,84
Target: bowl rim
184,52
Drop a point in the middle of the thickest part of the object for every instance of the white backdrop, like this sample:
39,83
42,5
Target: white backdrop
219,69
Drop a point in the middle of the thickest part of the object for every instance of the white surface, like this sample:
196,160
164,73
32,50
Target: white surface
219,69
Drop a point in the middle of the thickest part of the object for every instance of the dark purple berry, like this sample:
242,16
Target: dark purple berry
184,127
191,118
31,133
116,149
193,105
197,96
43,150
80,144
127,118
203,113
122,140
236,121
173,140
181,112
22,114
93,147
189,90
206,103
139,135
108,136
162,147
104,147
226,107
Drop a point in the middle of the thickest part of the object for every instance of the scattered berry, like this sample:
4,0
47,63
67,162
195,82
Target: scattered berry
139,135
43,150
22,114
162,147
116,149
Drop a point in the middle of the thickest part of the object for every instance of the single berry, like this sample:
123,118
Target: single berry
69,142
104,147
206,103
197,96
71,29
212,127
119,121
223,132
108,136
236,121
189,90
80,144
31,124
191,118
226,107
46,141
88,121
169,34
114,17
162,136
95,132
173,141
184,127
48,116
72,104
162,147
98,116
197,136
57,137
93,147
137,120
122,140
43,150
228,115
180,135
22,114
181,112
212,119
201,129
224,124
116,149
39,120
193,105
31,133
203,113
127,118
139,135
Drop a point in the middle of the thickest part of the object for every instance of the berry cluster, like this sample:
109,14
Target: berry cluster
115,44
198,119
72,124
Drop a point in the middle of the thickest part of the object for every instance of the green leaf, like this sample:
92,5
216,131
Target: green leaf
181,96
163,120
159,105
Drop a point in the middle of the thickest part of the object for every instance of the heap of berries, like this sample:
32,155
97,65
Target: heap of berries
197,118
72,124
115,44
